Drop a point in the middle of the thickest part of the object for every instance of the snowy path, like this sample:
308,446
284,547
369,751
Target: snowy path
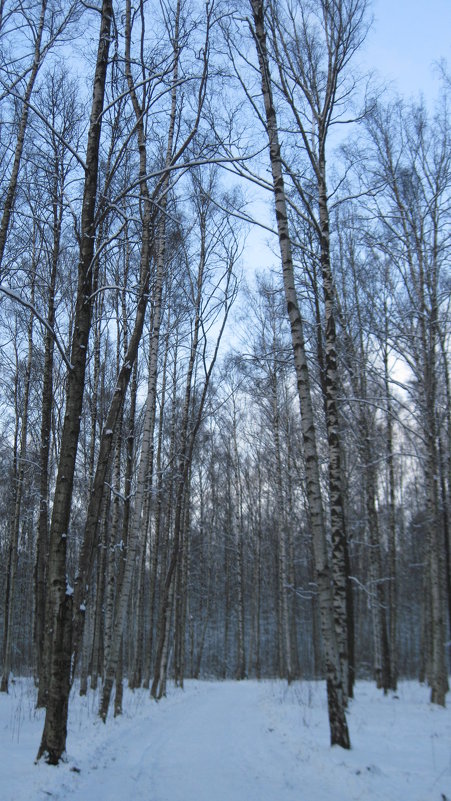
226,741
222,749
211,745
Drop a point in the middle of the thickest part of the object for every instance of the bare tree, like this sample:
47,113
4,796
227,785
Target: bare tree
53,741
412,159
336,695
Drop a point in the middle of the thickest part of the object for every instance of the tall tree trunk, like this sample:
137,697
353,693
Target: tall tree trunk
336,695
53,741
340,557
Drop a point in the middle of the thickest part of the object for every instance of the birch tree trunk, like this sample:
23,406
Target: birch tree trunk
336,696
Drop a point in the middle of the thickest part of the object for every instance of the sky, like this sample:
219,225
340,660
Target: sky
406,38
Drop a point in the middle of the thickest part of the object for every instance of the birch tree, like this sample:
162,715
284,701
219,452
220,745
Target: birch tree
336,694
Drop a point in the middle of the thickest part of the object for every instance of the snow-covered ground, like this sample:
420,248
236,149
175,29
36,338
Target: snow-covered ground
227,741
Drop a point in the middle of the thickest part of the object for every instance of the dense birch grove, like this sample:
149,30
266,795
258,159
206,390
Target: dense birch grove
219,459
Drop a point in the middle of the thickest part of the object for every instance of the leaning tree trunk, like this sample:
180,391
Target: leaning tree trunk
53,741
336,696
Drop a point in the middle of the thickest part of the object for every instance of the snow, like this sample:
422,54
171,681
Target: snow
227,741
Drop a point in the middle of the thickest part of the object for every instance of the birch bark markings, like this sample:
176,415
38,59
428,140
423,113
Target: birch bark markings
337,717
311,58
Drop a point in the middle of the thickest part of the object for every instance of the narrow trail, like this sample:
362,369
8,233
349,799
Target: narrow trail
215,745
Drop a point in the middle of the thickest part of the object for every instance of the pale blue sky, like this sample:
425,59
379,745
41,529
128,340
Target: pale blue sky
407,36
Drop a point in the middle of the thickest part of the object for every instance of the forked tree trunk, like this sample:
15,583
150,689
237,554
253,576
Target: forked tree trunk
319,88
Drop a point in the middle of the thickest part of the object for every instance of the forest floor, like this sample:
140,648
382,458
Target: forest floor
229,741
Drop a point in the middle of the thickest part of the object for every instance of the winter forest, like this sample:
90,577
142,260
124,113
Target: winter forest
225,427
